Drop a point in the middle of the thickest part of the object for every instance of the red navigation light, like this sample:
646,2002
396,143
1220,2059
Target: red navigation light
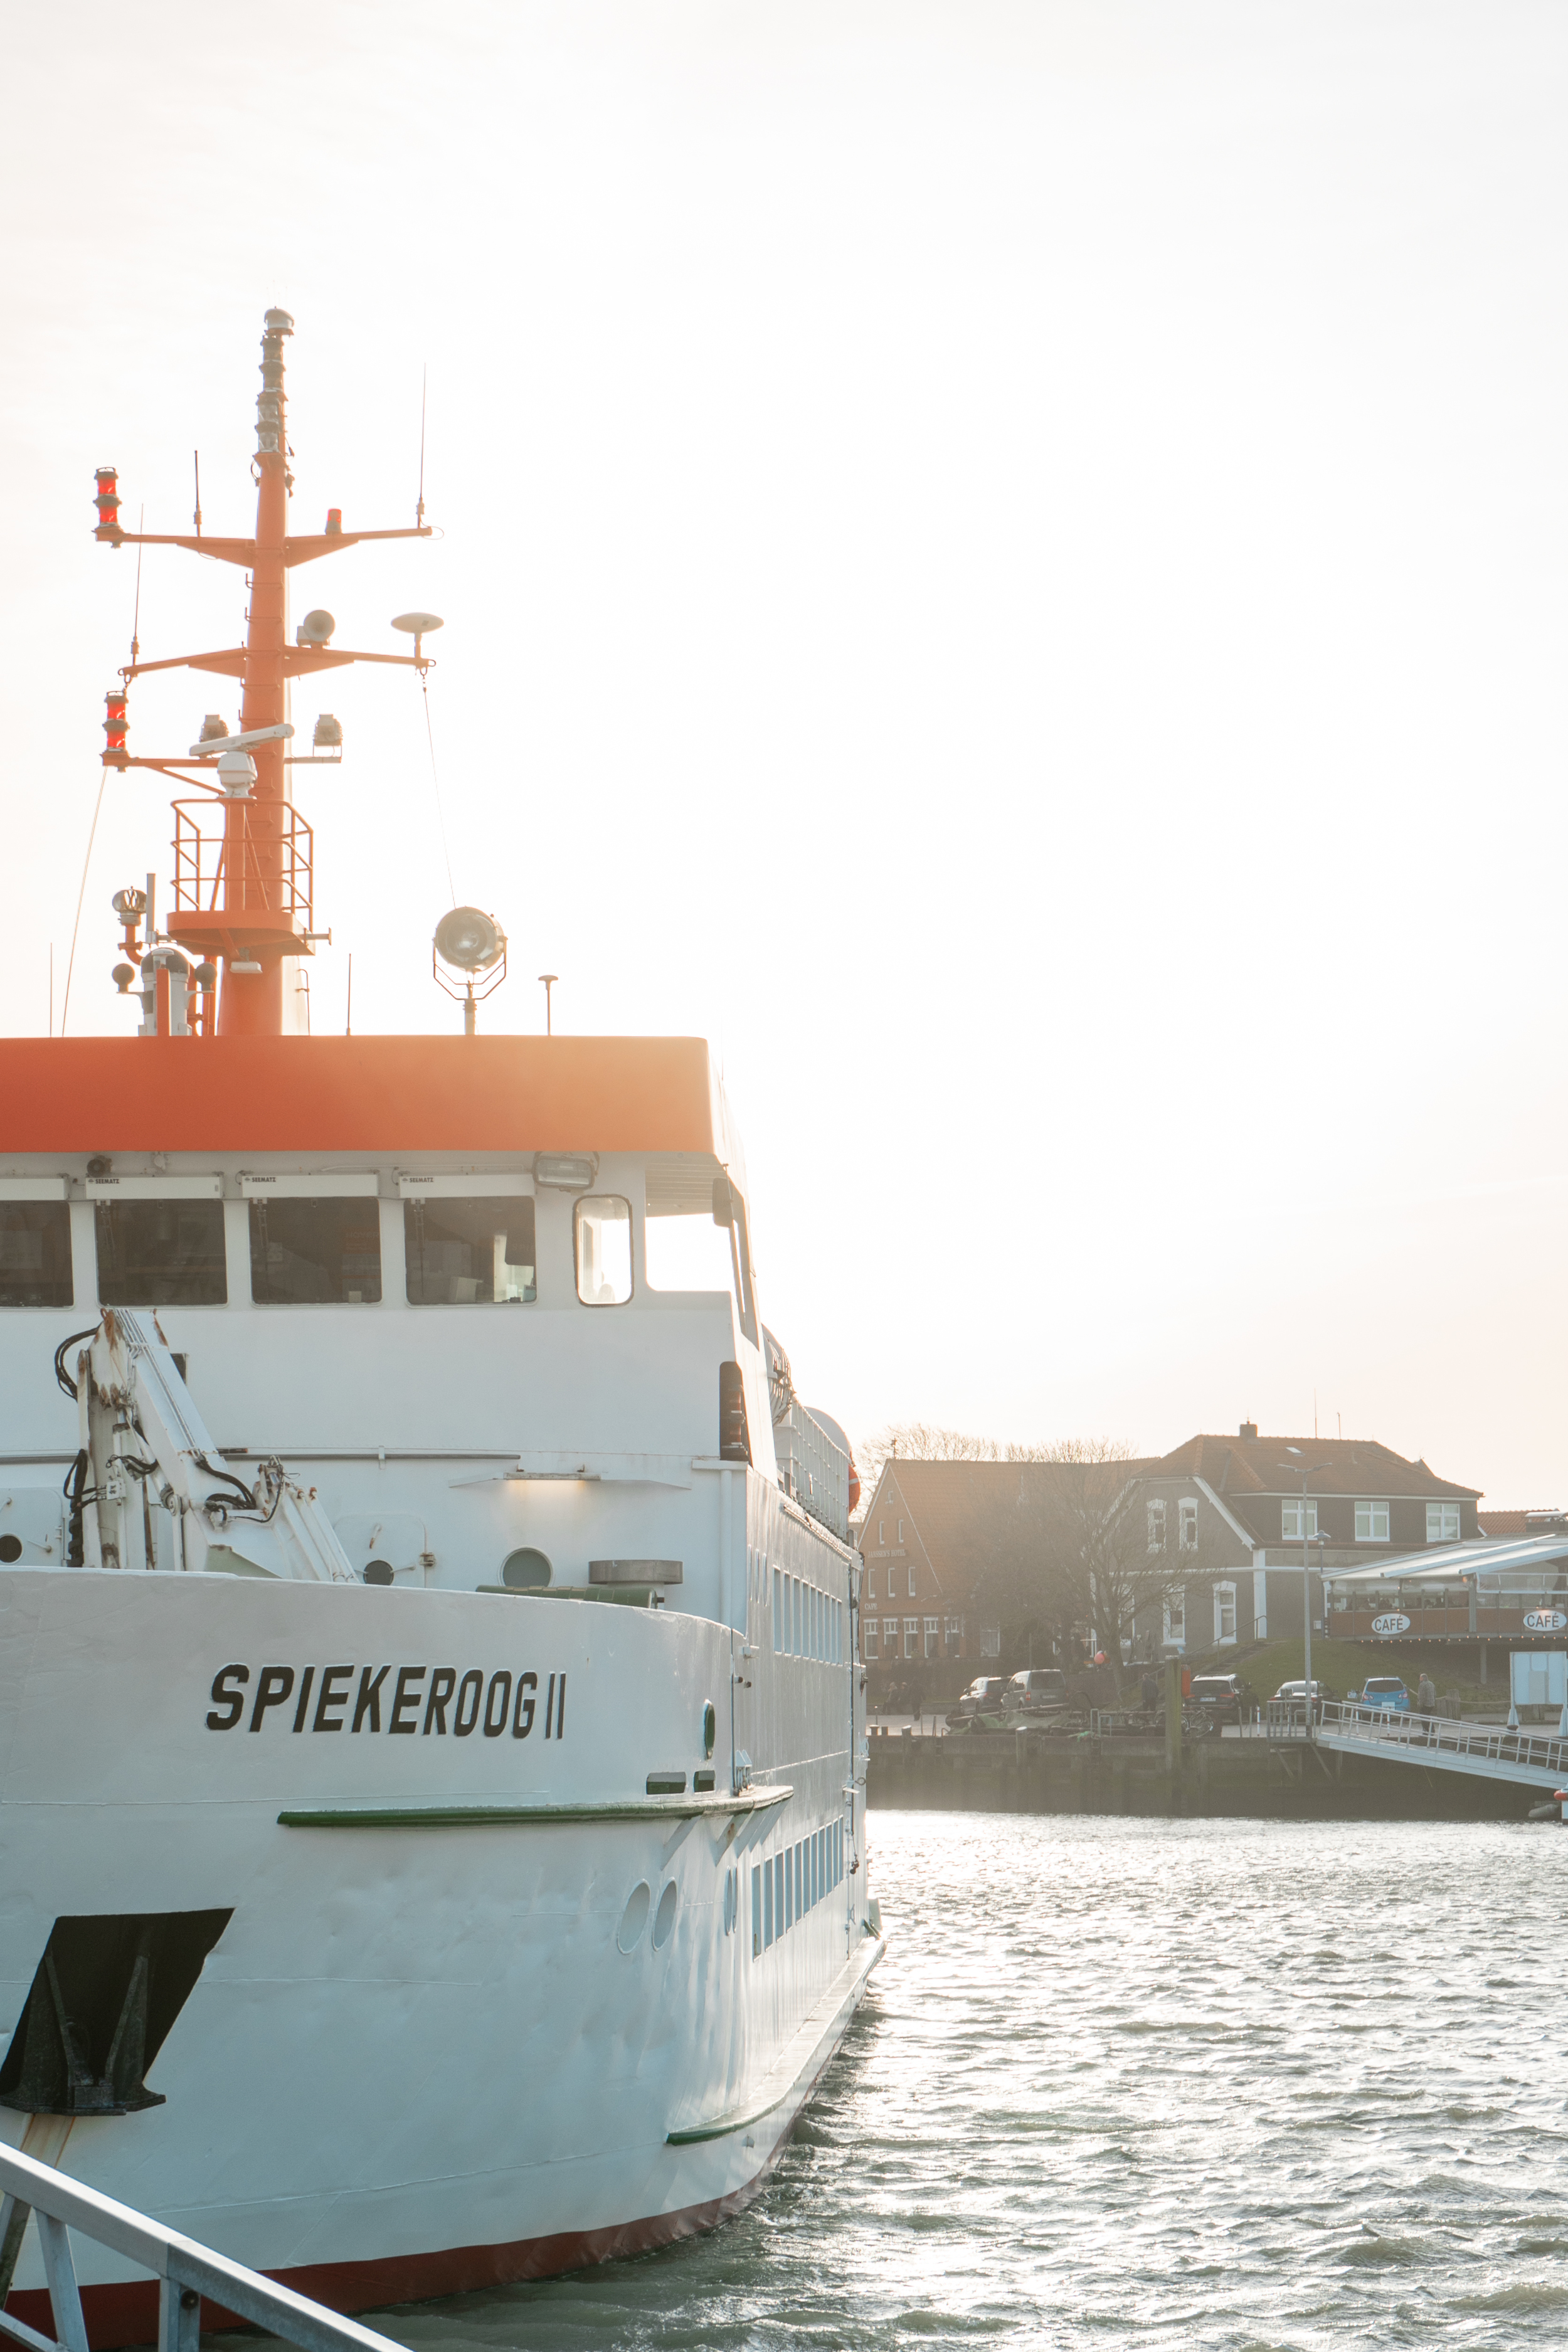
108,503
334,522
114,725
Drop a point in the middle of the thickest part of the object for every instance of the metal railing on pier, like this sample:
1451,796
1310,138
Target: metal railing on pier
185,2272
1491,1750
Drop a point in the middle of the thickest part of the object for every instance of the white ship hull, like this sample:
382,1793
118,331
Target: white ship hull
418,2058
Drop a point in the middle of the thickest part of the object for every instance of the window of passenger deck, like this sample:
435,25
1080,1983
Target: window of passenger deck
602,1228
163,1248
475,1252
36,1247
315,1250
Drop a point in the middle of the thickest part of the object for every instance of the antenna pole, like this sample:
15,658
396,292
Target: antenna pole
136,609
548,981
51,988
424,384
197,517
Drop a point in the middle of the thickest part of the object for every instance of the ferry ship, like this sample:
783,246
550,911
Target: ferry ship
432,1787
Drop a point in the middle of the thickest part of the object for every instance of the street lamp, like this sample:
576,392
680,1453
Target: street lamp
1308,1471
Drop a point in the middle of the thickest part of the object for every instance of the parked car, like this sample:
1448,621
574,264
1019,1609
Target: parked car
1222,1699
1383,1691
984,1696
1037,1687
1297,1691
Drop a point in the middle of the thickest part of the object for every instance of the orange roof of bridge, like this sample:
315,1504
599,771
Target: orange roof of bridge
359,1094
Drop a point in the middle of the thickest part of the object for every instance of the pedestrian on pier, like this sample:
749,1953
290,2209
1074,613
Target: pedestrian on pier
1426,1694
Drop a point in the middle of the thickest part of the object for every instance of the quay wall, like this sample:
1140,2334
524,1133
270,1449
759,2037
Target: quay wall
1246,1778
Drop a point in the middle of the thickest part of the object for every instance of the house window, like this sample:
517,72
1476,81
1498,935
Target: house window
868,1635
955,1631
991,1641
911,1635
889,1637
1442,1523
882,1531
1189,1525
1157,1524
870,1584
911,1580
1290,1522
1371,1523
1225,1613
901,1531
934,1626
1176,1619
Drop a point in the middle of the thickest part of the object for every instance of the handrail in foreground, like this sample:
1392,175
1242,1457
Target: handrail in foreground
186,2271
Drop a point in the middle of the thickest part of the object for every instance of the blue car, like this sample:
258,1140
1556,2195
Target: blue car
1385,1691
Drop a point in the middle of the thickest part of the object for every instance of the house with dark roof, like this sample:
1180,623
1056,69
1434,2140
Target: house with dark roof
1237,1510
1225,1535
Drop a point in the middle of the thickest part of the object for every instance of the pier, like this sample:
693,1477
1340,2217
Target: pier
1369,1770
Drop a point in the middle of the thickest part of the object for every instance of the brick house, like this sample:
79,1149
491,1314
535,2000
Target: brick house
923,1541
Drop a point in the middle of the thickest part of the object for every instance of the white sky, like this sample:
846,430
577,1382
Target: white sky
1006,564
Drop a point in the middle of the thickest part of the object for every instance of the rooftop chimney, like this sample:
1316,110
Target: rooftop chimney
1247,1429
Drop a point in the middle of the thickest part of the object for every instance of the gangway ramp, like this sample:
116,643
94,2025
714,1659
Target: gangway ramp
1488,1752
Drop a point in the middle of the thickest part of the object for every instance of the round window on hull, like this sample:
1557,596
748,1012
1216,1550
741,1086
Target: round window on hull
525,1569
378,1571
634,1918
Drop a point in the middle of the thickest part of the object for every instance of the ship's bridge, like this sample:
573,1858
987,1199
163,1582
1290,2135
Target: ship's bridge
504,1262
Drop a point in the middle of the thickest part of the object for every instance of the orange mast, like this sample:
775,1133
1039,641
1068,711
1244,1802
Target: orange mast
242,879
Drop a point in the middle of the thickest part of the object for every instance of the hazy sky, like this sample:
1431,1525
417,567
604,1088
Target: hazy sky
1006,564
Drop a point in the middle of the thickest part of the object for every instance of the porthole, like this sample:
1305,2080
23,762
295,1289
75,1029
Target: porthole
710,1728
526,1569
10,1549
664,1922
378,1571
634,1918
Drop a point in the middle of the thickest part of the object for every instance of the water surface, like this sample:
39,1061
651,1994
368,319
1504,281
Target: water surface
1131,2083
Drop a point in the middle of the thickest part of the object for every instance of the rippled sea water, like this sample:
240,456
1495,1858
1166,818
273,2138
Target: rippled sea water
1228,2083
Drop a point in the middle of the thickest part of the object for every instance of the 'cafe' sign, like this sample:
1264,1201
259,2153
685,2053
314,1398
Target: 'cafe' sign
1544,1621
1393,1623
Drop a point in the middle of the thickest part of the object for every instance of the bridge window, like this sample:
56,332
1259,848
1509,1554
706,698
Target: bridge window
35,1254
314,1253
1371,1523
1442,1523
1291,1523
471,1251
161,1253
602,1224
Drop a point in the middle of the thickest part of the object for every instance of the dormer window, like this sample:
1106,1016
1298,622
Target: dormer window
1442,1523
1290,1522
1188,1511
1157,1524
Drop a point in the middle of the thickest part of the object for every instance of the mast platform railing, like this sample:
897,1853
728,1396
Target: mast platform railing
186,2271
277,855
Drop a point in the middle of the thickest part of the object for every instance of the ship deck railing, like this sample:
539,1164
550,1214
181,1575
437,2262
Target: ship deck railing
186,2271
